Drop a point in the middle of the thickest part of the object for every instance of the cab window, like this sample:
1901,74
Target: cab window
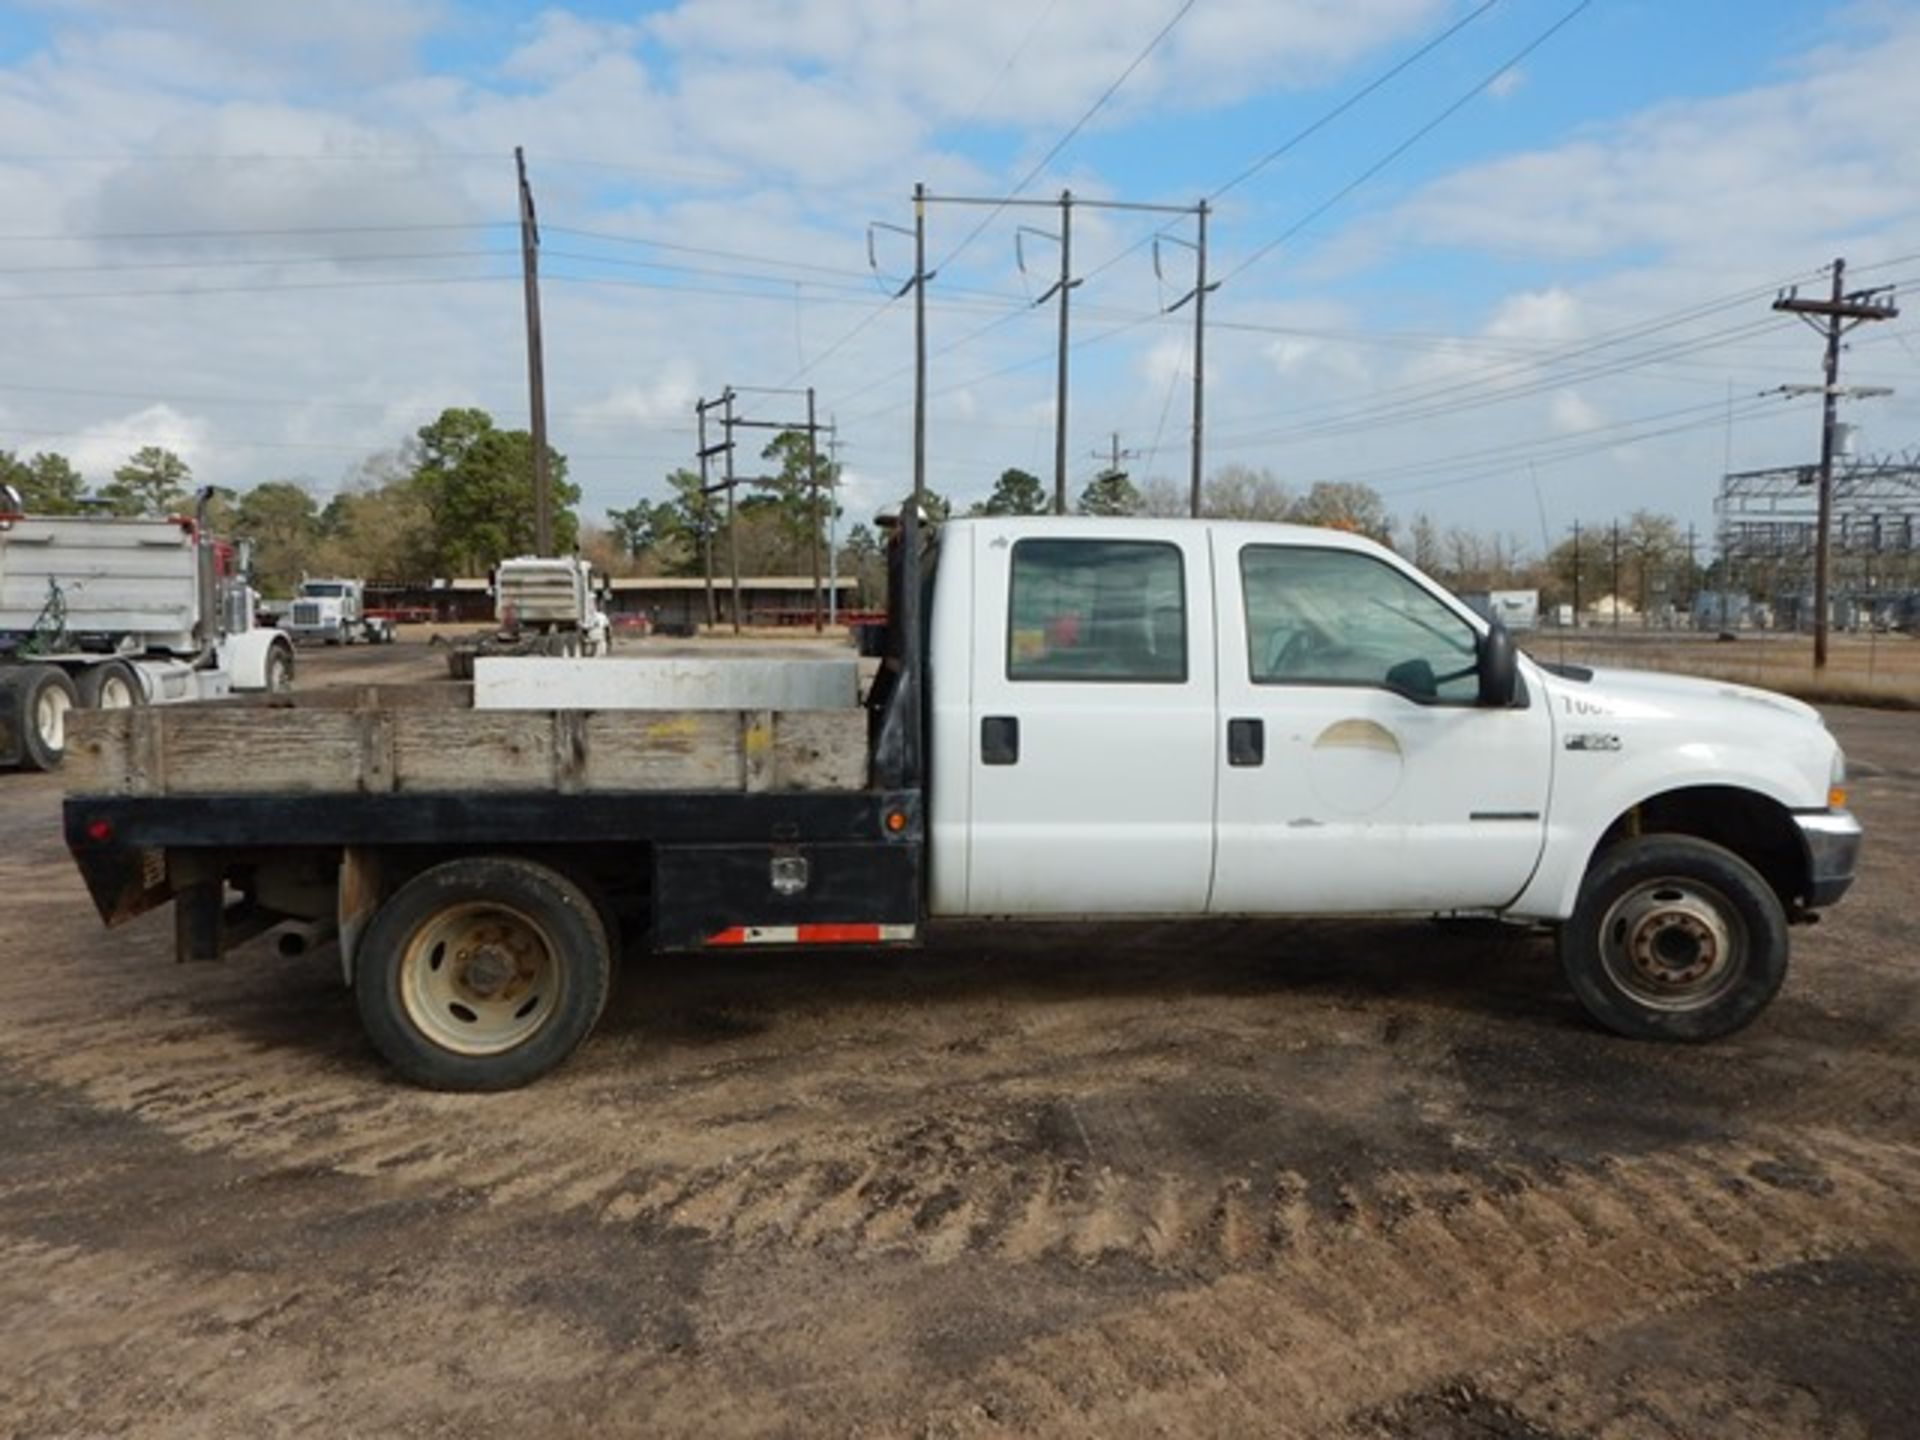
1097,610
1338,617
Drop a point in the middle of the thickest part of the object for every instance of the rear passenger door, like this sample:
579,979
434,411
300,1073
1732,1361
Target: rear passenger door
1092,766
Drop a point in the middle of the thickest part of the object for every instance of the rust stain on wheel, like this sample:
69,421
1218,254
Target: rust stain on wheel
480,979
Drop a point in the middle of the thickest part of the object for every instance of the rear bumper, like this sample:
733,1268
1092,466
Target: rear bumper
1832,841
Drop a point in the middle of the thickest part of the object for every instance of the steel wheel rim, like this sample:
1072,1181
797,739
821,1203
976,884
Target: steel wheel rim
116,693
480,978
1673,944
50,717
279,674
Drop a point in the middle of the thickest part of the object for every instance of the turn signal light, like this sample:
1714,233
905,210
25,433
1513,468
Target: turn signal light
1836,798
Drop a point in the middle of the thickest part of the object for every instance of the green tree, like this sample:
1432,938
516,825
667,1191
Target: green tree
1110,493
154,481
793,502
685,523
48,483
637,529
283,522
476,482
1016,492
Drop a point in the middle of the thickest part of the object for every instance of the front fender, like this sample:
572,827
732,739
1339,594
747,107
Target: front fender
246,656
1587,799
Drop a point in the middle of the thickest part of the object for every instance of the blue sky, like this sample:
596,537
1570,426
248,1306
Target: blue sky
1442,333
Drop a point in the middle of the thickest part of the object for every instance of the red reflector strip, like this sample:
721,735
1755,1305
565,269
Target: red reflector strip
811,935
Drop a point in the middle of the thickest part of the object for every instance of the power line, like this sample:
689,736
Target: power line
1313,127
1072,130
345,258
1415,138
256,231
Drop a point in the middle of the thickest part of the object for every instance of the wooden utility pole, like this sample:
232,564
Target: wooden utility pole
707,491
1841,312
1114,455
1616,574
536,364
813,510
1576,574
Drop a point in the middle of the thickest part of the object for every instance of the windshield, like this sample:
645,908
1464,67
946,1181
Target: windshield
323,590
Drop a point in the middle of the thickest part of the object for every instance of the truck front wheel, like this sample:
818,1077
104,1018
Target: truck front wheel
482,973
279,668
1674,938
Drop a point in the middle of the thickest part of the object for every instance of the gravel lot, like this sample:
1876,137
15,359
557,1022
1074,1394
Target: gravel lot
1367,1180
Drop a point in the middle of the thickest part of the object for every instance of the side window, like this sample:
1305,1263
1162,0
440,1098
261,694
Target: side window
1100,610
1337,617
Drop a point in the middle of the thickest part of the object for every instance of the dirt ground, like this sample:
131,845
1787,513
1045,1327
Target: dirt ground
1373,1180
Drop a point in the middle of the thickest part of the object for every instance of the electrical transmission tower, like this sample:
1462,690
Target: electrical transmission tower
1840,312
730,481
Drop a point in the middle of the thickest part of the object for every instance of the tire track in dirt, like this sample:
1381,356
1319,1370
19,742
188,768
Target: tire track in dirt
1382,1303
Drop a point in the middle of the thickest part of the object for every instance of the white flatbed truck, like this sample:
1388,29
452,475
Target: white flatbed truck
1093,718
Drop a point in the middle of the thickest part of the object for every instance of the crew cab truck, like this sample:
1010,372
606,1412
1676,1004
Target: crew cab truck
108,612
333,611
1073,718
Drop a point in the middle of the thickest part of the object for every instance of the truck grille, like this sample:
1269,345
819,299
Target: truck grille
306,612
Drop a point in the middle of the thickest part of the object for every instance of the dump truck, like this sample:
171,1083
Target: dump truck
111,612
542,605
332,610
1072,718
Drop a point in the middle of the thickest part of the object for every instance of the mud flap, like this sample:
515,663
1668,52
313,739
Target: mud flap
359,897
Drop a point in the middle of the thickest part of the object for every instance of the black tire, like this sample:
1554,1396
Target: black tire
279,668
47,698
460,664
445,986
1674,938
112,686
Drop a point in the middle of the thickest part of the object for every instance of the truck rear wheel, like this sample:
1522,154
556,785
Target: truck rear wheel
1674,938
46,698
112,686
482,973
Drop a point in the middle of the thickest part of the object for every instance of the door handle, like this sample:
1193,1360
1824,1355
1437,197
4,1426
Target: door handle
1000,740
1246,742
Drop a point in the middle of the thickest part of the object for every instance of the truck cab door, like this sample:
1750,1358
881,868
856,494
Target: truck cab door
1359,772
1091,750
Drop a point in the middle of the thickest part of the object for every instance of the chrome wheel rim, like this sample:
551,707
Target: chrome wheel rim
479,978
50,717
1673,944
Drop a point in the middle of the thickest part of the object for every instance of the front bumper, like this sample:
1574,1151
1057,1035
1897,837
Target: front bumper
1832,841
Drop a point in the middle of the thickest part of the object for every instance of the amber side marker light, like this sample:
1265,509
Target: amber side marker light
1836,798
896,821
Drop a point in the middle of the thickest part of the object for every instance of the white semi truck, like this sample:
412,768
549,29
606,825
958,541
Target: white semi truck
542,605
333,611
110,612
